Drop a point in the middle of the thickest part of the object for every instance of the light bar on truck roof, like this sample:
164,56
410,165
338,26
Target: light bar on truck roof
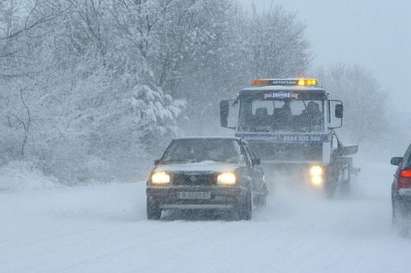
307,82
288,82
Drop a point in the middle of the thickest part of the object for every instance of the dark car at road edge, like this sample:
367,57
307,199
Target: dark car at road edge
401,188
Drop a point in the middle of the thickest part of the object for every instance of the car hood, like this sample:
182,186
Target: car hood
203,167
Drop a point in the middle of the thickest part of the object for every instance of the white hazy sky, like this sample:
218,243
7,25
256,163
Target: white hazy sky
372,33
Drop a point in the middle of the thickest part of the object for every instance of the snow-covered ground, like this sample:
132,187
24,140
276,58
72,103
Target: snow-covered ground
102,228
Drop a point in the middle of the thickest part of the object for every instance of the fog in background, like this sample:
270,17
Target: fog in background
373,34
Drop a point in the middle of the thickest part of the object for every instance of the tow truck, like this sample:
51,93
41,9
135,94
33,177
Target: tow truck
291,126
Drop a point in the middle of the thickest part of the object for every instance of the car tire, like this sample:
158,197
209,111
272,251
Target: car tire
153,210
394,212
399,214
399,220
245,211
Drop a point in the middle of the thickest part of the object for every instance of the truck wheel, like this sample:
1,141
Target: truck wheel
245,211
263,197
345,188
153,210
261,200
330,188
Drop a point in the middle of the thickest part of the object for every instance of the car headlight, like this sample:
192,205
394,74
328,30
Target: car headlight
226,179
317,175
160,178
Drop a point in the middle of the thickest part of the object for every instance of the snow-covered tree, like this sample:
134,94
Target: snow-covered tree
91,85
276,45
364,100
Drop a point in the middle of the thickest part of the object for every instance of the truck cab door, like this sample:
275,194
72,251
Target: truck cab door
335,114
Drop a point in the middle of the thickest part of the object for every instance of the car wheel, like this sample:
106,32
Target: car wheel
400,220
153,210
399,213
246,207
394,212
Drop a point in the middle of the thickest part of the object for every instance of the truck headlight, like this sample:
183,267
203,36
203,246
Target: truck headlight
317,175
316,170
160,178
226,179
317,180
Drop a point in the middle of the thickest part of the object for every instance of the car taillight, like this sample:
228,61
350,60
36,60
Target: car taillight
404,180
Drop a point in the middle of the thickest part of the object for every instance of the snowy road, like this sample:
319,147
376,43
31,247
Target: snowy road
103,229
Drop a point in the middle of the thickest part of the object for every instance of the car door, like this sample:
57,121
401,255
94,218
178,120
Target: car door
247,172
256,171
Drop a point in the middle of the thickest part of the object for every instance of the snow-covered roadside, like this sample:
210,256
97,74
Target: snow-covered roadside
102,228
20,175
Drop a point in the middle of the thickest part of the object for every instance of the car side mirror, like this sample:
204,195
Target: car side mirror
224,112
157,162
396,161
256,161
339,111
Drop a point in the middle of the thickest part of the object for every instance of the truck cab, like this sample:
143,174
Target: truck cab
290,124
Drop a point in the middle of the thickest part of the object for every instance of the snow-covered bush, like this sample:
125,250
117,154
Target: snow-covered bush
20,175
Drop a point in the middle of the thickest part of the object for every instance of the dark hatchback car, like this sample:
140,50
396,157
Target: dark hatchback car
206,174
401,188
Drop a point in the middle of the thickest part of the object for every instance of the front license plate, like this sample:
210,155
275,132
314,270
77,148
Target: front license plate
194,195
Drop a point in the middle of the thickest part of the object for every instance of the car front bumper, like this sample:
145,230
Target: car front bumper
220,198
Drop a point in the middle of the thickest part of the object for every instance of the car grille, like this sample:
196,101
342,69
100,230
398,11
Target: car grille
193,179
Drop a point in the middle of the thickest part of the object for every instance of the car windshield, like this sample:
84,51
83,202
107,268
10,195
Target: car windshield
258,115
198,150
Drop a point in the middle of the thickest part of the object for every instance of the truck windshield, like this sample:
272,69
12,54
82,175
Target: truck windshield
198,150
288,115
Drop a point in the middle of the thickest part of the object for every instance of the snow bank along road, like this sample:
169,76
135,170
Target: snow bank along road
103,229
